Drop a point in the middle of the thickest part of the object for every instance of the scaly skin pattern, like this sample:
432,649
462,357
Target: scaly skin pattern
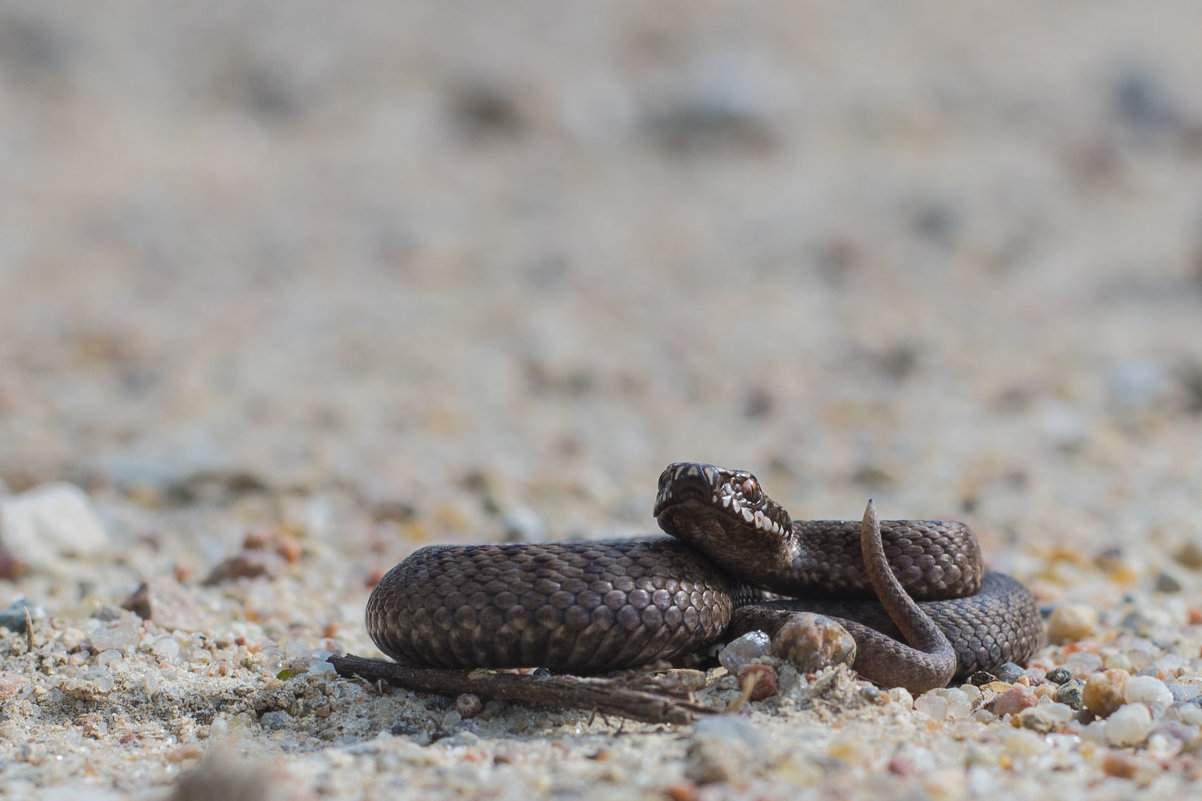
595,606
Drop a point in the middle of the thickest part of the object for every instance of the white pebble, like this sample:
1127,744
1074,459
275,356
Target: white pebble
1094,732
1190,713
959,705
1072,622
742,651
1023,742
1129,725
1056,712
120,635
931,706
1118,661
981,783
49,522
166,649
102,681
108,657
1147,690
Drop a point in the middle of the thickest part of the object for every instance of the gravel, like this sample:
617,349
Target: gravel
289,294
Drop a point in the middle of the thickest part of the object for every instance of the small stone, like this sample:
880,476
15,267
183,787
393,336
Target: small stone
1083,662
13,618
1147,690
120,635
745,650
723,748
762,681
1130,724
981,678
1072,622
1070,694
169,604
275,720
222,775
932,706
1103,692
1023,742
1013,701
1119,765
165,649
468,705
1176,730
1167,582
247,563
683,790
959,704
1190,554
1045,718
45,524
1059,675
1184,691
812,642
10,684
1009,672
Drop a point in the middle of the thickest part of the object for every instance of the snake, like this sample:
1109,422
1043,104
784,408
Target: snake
913,594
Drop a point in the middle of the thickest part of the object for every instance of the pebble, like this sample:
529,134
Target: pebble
1014,700
468,705
1072,622
1190,554
165,601
1147,690
1167,582
44,524
120,635
1009,672
1119,765
931,706
762,681
1103,692
742,651
1190,712
1184,691
13,617
10,684
1059,675
812,642
945,702
275,720
1023,742
1070,694
1130,724
723,748
1045,718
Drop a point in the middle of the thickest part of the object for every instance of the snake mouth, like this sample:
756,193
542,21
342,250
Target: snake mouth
732,495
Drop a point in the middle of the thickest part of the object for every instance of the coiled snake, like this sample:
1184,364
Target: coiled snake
595,606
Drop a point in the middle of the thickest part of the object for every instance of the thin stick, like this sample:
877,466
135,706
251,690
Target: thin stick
644,699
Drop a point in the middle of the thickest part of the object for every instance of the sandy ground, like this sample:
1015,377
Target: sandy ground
306,286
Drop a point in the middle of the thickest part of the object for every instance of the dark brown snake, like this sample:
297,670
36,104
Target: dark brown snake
596,606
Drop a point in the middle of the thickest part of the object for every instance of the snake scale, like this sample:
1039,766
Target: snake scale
913,593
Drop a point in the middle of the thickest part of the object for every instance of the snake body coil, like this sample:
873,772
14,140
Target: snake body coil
603,605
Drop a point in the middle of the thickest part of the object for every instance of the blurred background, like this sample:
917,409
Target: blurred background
491,267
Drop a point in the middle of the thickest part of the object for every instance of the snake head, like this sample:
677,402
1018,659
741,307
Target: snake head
720,511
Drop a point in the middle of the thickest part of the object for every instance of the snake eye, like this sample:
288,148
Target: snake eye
751,490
